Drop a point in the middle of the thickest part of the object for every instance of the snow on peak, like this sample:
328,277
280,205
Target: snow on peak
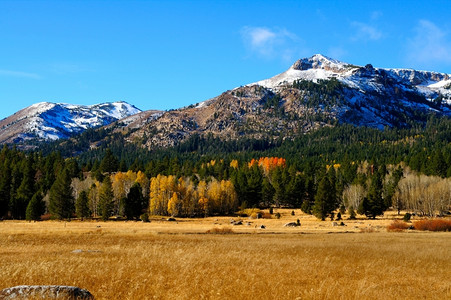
319,61
51,121
313,68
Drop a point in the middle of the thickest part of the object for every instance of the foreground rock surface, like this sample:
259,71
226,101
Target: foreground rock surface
45,292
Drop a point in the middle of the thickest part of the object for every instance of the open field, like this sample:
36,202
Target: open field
177,260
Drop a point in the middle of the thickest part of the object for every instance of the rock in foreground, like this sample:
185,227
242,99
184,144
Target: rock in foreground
45,292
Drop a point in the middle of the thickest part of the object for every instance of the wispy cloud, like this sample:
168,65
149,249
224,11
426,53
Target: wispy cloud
366,32
10,73
429,45
271,43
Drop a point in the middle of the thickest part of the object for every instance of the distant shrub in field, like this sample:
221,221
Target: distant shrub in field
397,225
266,216
407,217
351,213
367,229
433,225
144,217
223,230
249,212
271,210
277,215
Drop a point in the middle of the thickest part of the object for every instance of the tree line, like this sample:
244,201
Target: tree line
32,184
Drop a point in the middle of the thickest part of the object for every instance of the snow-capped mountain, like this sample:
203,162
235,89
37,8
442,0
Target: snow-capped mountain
51,121
365,79
314,92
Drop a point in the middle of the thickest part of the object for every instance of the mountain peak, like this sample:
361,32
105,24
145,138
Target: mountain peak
51,121
318,61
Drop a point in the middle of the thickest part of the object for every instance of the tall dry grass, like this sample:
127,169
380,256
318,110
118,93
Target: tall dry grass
141,261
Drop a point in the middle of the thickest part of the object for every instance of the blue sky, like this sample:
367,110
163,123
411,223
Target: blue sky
169,54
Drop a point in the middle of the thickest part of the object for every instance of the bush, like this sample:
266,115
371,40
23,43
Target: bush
277,215
351,213
397,225
223,230
433,225
249,212
144,217
407,217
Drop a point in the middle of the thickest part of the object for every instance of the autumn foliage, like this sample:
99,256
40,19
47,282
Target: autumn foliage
182,197
433,225
397,226
268,163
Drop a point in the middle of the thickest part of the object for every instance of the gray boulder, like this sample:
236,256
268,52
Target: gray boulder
45,292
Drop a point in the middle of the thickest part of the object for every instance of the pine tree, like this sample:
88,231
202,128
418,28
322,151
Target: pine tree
325,199
35,208
373,205
5,188
267,192
106,199
134,202
109,162
61,200
82,205
26,189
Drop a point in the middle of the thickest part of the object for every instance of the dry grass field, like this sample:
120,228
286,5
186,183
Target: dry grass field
178,260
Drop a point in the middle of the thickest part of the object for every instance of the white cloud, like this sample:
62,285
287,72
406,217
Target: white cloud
271,43
10,73
430,44
366,32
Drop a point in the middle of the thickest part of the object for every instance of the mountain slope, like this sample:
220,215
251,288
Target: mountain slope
314,92
51,121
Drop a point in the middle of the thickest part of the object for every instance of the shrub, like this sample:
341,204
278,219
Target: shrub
271,210
223,230
277,215
407,217
251,212
397,225
144,217
433,225
266,216
351,213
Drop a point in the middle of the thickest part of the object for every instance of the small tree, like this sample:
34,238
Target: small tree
82,205
35,208
134,202
106,199
325,199
61,201
373,205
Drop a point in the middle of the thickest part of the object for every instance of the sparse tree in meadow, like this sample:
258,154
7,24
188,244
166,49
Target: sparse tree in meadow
82,205
325,199
134,202
35,208
61,201
106,197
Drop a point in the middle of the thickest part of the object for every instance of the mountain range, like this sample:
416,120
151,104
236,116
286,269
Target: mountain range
51,121
314,92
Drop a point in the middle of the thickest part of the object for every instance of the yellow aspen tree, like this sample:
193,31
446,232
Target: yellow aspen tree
143,181
234,164
173,205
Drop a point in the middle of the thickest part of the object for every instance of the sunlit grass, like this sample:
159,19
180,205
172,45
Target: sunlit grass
170,260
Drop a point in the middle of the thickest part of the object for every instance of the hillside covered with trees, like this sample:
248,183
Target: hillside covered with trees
334,169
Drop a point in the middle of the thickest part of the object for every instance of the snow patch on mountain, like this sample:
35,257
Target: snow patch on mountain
52,121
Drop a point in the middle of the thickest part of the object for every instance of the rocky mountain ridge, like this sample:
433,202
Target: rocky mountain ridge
51,121
314,92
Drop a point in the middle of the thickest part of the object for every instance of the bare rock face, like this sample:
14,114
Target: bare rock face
45,292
